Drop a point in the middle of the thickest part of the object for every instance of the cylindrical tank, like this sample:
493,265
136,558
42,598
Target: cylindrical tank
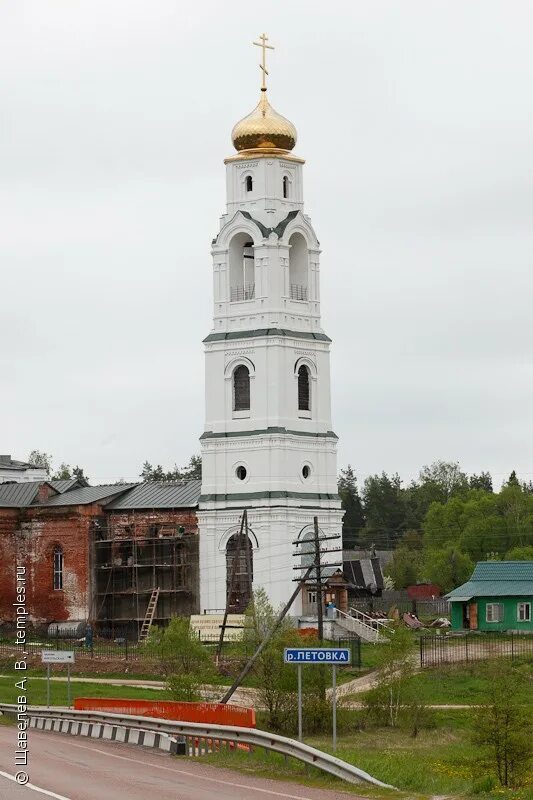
67,630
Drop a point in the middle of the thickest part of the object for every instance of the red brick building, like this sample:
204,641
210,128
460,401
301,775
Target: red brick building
96,553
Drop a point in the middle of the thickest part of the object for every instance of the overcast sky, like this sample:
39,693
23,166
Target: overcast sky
416,122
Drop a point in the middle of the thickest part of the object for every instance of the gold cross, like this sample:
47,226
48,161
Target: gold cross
263,44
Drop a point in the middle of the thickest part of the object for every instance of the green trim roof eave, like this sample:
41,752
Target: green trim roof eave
491,589
240,496
253,334
266,432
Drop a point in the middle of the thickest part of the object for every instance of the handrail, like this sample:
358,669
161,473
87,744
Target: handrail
225,733
360,615
358,621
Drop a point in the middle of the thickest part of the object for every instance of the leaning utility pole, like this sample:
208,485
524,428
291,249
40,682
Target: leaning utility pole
315,566
251,661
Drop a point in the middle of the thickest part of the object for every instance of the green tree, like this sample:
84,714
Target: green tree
384,509
512,480
504,726
443,523
183,658
78,473
388,700
275,680
448,567
520,554
63,473
354,520
482,481
193,470
446,478
404,569
38,458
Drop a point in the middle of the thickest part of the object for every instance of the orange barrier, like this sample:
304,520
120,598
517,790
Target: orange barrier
211,713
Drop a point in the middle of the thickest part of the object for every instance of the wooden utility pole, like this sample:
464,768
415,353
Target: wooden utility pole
249,569
320,607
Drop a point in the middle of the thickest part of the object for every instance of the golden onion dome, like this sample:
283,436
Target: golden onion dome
264,129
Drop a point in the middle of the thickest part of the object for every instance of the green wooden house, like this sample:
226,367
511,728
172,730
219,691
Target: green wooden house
498,597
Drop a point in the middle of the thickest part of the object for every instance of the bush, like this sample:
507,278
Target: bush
185,661
184,687
504,727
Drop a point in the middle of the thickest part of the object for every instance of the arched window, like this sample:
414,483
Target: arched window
303,389
249,183
239,547
58,568
241,388
285,186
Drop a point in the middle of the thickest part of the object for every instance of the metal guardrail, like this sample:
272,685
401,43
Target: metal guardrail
212,734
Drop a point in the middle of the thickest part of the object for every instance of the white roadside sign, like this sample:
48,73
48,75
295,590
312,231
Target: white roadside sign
57,656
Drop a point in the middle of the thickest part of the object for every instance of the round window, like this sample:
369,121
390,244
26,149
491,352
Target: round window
306,471
240,472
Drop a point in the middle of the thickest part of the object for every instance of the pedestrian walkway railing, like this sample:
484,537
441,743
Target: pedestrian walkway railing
365,628
212,737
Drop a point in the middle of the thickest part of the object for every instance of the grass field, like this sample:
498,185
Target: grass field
438,762
344,675
460,684
36,691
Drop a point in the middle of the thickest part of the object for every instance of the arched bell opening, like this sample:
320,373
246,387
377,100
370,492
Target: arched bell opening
298,267
239,566
241,268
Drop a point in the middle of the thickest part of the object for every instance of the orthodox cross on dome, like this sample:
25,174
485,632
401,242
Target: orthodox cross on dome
264,46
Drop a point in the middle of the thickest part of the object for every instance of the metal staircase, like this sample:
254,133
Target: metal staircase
367,628
149,616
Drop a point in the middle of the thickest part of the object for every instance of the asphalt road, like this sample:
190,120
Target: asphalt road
76,768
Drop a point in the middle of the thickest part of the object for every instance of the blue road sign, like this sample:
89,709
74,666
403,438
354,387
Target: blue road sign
317,655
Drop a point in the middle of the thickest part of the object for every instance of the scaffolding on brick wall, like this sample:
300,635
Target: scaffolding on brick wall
129,561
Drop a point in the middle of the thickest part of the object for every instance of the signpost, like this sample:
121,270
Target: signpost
49,657
333,656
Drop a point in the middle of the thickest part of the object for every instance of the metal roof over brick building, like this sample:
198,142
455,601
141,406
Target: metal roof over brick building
159,494
18,495
88,494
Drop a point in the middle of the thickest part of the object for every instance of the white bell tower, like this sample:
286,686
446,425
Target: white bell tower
268,444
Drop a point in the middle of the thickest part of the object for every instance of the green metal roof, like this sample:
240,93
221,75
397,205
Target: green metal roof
503,571
497,579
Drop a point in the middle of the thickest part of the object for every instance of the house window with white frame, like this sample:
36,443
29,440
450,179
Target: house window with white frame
494,612
311,597
523,612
